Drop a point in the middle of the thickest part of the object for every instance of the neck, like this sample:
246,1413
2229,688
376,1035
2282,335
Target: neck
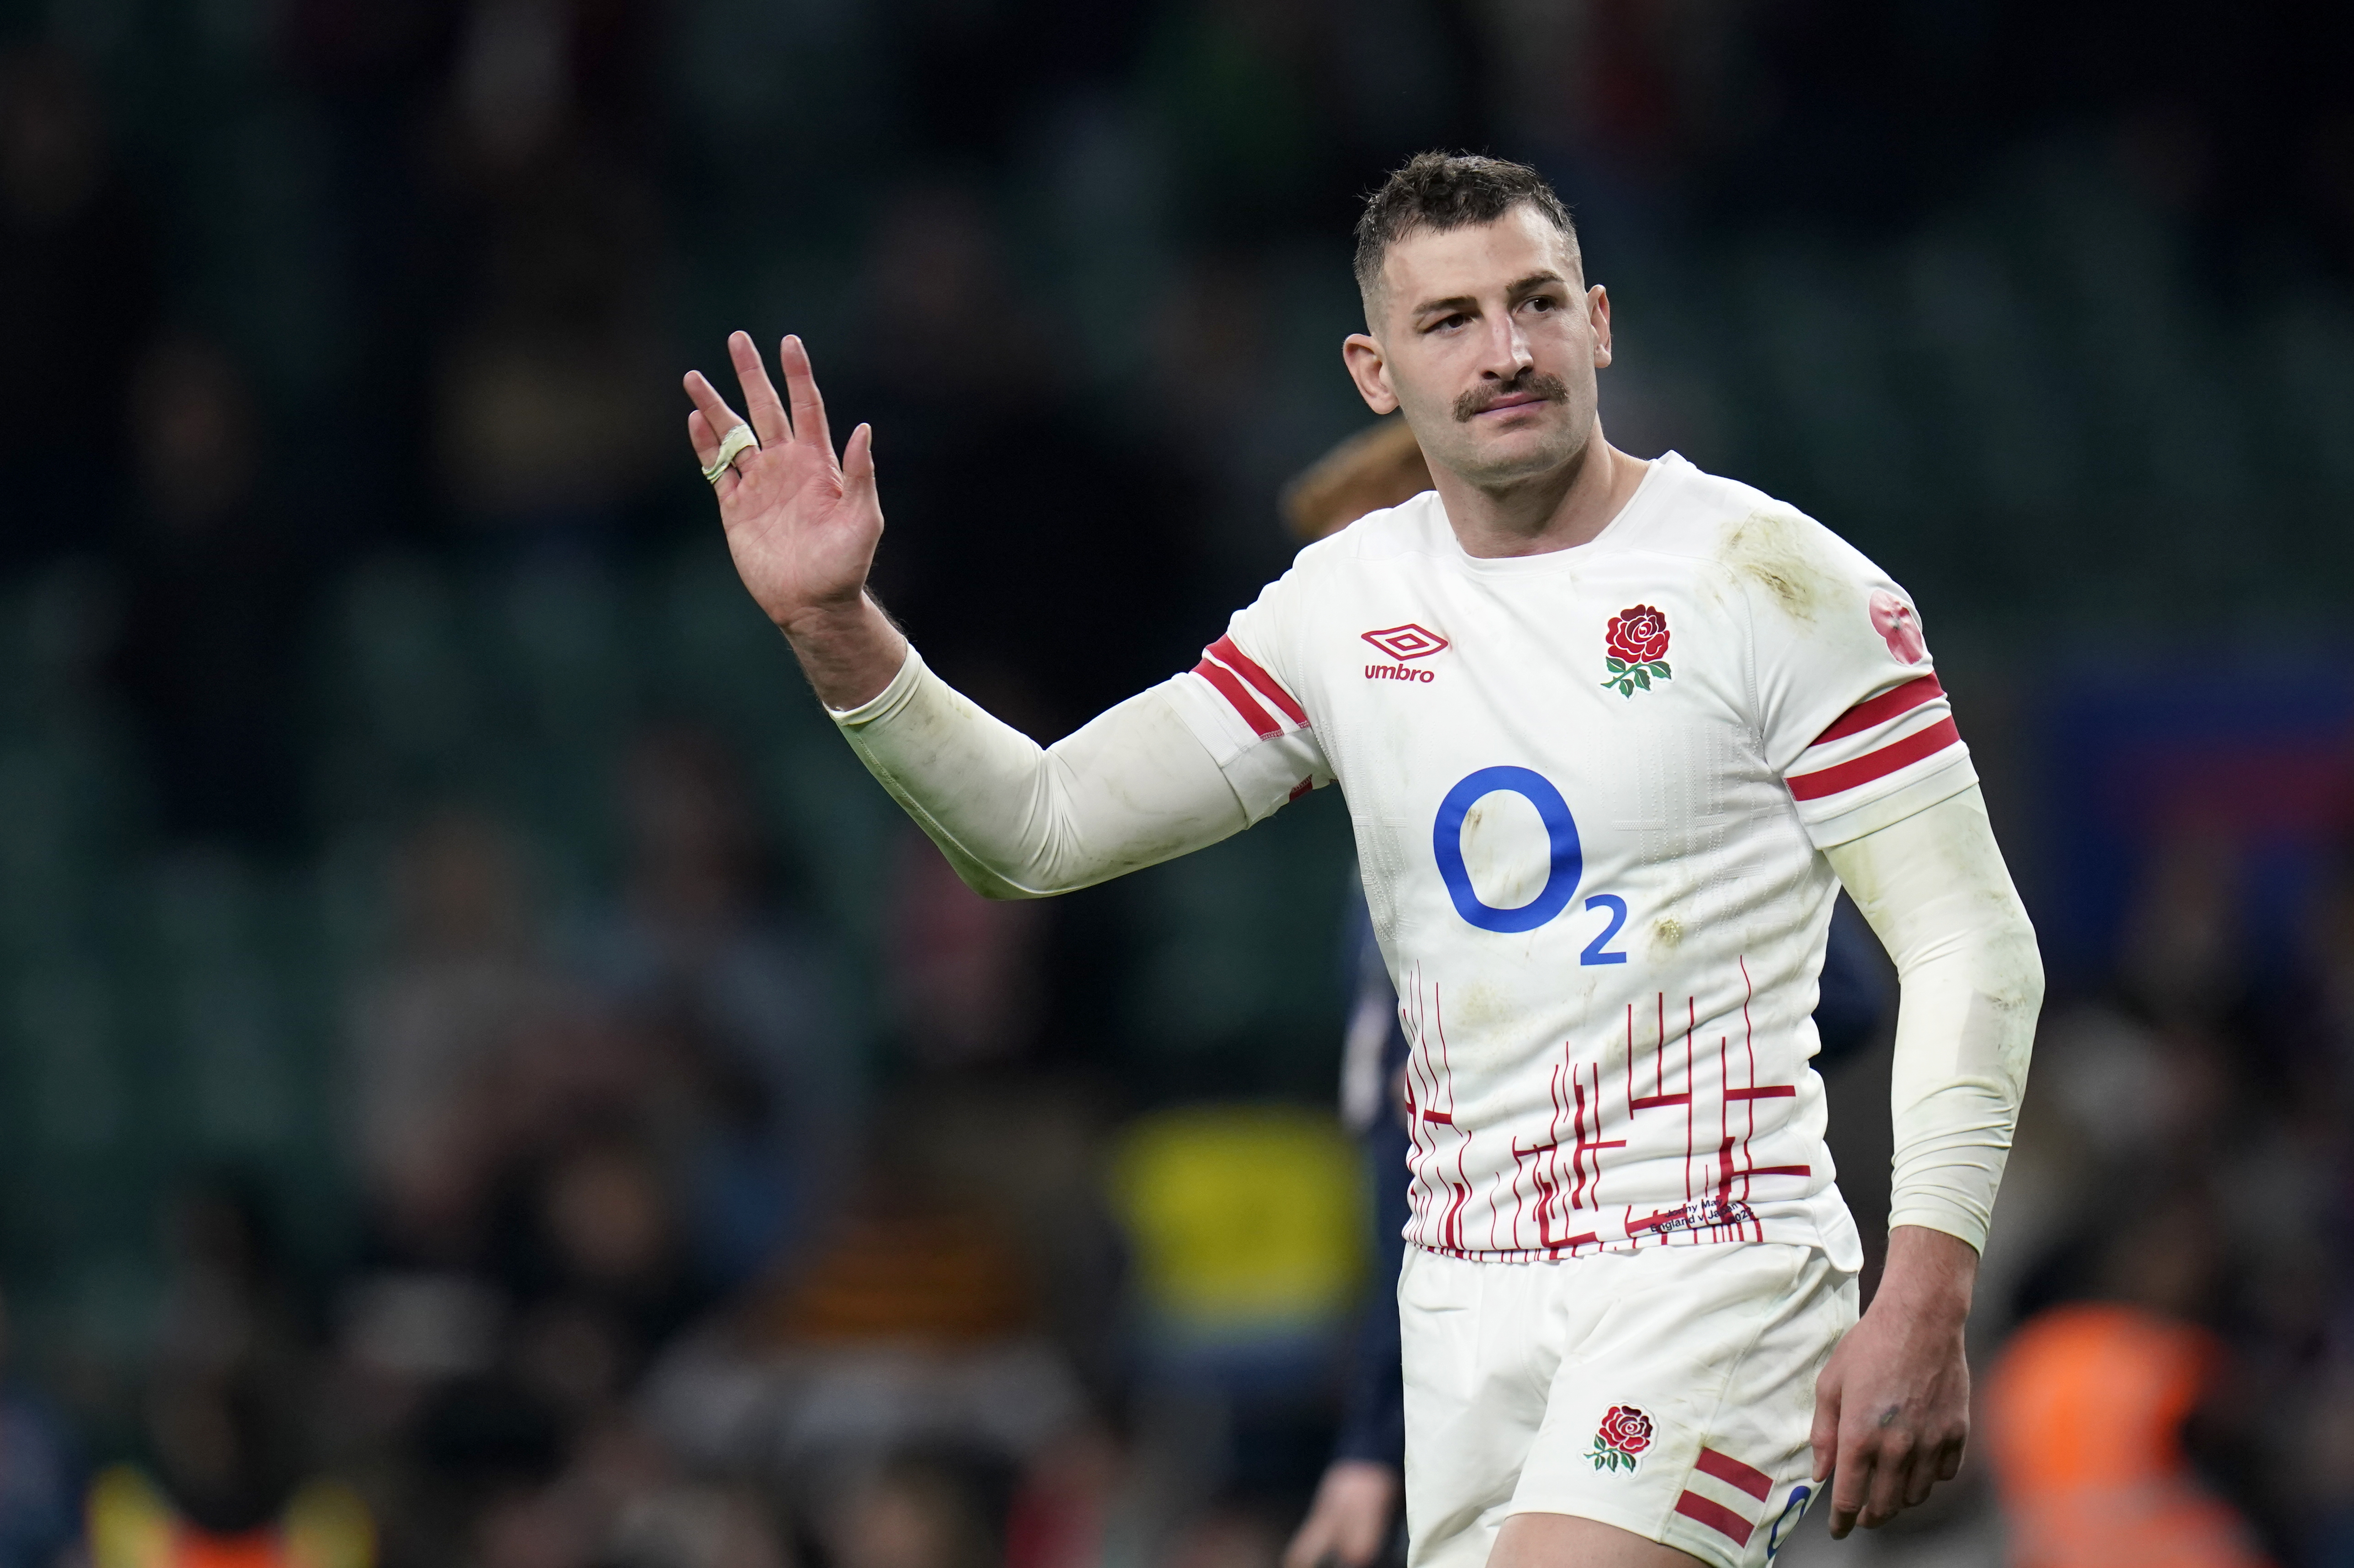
1557,510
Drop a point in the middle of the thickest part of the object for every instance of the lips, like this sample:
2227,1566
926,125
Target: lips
1518,400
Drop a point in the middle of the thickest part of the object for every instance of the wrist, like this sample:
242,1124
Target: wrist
824,619
1930,1274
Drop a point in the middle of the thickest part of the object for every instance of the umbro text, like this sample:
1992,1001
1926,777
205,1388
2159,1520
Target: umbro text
1398,672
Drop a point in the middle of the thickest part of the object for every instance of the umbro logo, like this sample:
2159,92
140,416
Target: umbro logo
1407,642
1402,644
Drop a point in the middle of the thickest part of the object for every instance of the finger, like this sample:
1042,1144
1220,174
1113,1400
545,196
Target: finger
800,386
1949,1458
1920,1476
704,440
1890,1467
1850,1486
717,416
760,400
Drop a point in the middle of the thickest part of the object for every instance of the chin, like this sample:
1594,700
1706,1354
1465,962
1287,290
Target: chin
1516,455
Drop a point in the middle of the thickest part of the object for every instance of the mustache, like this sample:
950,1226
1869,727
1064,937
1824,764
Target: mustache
1478,400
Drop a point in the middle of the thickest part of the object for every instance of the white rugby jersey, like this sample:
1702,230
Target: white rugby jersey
1590,791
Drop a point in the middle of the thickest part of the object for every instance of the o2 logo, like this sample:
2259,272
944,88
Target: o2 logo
1792,1513
1566,866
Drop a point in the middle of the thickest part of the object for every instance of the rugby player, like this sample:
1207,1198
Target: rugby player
1612,733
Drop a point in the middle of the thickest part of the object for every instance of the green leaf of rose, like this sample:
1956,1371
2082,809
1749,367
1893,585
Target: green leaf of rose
1626,688
1660,667
1643,678
1617,666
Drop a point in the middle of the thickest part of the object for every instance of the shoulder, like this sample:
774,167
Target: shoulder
1416,525
1777,556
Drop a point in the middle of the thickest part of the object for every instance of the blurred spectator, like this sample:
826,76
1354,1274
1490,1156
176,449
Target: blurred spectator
231,1473
435,1027
2086,1408
38,1484
911,1323
920,1511
740,997
78,296
969,978
217,587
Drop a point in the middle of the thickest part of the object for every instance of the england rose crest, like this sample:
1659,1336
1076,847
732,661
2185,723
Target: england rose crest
1636,652
1625,1433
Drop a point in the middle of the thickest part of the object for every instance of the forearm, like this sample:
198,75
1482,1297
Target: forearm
1934,888
1017,820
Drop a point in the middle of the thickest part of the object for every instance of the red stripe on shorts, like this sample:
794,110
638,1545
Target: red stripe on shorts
1733,1473
1716,1516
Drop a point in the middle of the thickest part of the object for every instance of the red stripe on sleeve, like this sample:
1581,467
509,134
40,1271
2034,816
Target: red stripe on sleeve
1733,1473
1258,718
1877,764
1716,1516
1881,708
1224,651
1299,788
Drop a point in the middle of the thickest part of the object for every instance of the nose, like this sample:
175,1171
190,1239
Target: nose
1506,347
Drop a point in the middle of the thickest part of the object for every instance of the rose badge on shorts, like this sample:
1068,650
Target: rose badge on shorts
1636,651
1619,1442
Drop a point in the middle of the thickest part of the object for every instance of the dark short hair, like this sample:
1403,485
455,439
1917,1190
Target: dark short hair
1441,191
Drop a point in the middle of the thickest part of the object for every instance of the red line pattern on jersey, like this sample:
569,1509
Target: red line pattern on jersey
1558,1175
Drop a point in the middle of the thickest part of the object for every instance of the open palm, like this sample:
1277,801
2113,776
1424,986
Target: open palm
801,526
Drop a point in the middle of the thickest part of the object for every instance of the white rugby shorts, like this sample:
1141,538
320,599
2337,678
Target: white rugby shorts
1668,1393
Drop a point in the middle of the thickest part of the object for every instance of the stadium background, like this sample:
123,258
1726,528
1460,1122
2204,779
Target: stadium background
464,1019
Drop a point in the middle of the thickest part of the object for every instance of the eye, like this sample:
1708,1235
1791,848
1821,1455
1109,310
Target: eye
1541,302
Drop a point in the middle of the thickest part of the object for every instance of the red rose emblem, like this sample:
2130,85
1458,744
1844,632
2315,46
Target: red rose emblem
1636,652
1625,1428
1639,635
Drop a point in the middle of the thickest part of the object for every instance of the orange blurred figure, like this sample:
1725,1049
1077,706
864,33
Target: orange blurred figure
2084,1419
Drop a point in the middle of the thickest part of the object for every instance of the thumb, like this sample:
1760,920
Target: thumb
1824,1437
858,467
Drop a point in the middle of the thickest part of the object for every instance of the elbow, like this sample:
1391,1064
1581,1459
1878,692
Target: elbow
2016,969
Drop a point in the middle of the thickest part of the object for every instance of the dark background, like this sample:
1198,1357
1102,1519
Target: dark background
408,829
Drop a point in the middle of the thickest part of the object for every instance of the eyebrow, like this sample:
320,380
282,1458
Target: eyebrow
1529,285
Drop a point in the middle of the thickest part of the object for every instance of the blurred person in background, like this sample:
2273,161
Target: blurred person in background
2087,1405
231,1471
1485,335
78,297
215,586
433,1030
39,1474
741,1001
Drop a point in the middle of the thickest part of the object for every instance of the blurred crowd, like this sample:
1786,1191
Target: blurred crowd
483,1078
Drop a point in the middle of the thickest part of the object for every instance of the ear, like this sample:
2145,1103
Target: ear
1369,370
1598,315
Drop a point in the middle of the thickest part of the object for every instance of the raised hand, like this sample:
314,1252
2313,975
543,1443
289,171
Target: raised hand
801,526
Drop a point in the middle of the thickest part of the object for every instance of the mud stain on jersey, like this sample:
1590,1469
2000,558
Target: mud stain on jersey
1477,1008
1667,934
1769,549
